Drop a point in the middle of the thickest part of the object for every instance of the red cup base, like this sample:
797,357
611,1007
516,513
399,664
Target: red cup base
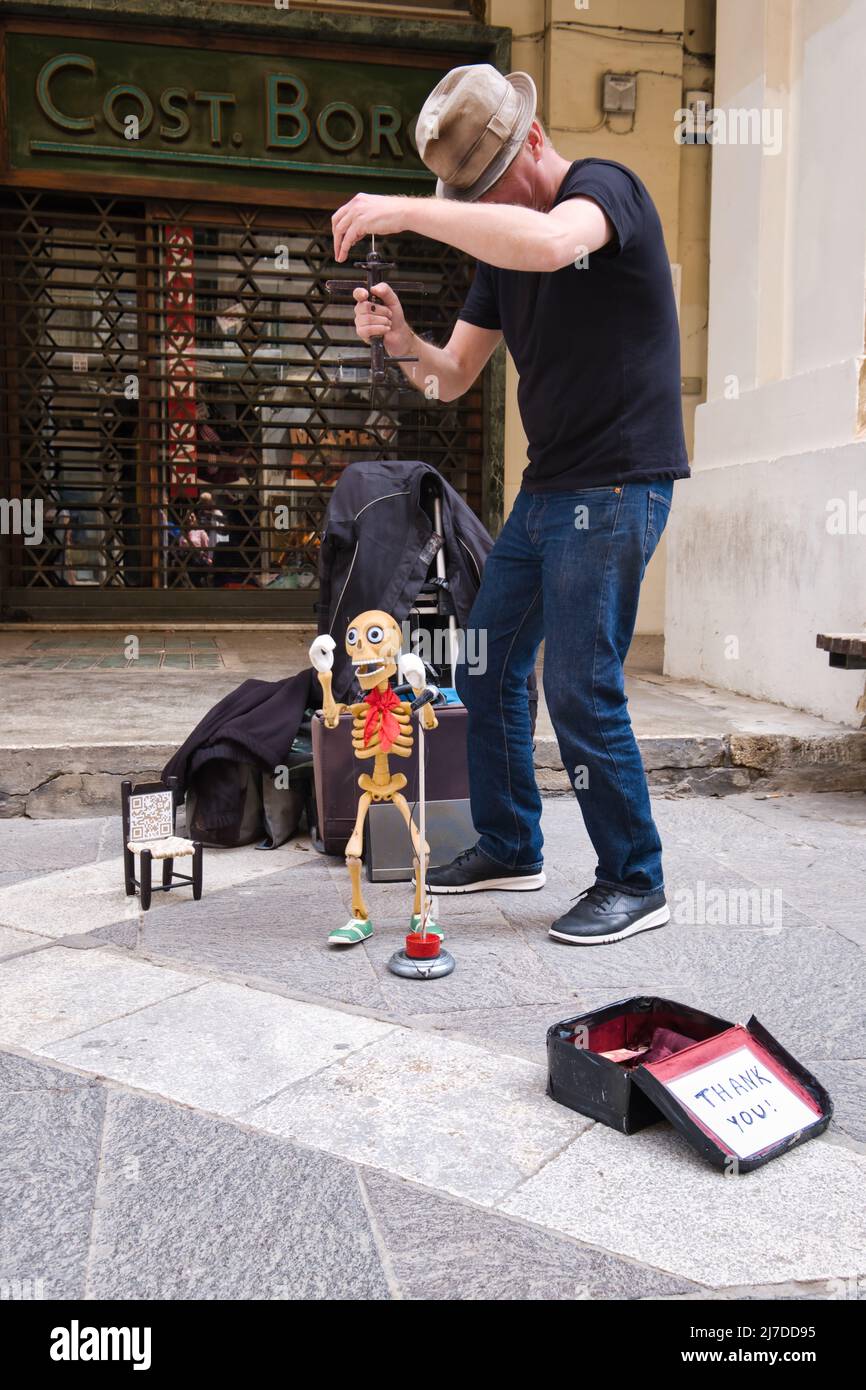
420,947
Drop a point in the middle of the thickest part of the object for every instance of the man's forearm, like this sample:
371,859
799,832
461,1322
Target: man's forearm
502,234
435,373
513,238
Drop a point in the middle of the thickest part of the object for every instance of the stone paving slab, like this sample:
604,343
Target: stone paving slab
833,897
19,1073
9,876
305,911
807,986
695,880
31,846
56,993
818,866
846,1082
192,1208
50,1135
264,934
13,942
307,969
648,1196
92,895
834,824
520,1031
441,1249
144,702
495,968
814,821
451,1116
221,1047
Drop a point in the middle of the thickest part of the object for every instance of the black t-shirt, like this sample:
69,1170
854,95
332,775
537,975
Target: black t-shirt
597,349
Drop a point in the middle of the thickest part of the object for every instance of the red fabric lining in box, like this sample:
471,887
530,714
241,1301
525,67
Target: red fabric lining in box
709,1050
636,1029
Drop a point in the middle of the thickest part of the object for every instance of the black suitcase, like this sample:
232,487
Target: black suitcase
336,772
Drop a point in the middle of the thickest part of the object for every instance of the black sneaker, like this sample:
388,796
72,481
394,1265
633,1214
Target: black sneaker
603,914
473,872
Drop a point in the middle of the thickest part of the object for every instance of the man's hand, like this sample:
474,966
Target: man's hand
363,215
382,317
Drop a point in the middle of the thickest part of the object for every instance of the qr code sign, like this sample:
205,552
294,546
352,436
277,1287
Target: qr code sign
150,816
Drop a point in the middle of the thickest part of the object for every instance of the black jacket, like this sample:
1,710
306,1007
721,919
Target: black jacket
255,724
379,543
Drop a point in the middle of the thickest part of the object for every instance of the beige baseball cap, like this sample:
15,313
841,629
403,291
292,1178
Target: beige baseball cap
472,126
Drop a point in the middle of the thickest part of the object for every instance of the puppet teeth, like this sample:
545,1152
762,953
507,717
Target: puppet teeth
360,667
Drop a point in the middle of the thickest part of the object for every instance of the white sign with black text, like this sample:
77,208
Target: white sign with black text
742,1102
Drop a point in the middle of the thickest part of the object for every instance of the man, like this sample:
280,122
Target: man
572,272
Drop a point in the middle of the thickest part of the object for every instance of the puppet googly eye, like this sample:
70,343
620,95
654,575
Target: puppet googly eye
352,636
375,635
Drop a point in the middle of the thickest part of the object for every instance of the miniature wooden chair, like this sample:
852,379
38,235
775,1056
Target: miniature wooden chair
148,814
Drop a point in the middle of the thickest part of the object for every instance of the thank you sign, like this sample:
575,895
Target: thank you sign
740,1100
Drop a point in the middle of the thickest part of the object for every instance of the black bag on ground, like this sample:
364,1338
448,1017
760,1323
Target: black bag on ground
231,803
246,768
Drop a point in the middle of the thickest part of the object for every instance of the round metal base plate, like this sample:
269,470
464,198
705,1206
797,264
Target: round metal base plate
409,969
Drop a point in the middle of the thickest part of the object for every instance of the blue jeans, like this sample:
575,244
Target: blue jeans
567,567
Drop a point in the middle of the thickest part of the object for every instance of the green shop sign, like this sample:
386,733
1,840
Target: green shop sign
97,107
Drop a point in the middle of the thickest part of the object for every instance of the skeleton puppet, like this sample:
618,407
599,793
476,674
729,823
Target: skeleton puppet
381,726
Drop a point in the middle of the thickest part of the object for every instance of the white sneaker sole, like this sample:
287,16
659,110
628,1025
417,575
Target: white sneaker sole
529,883
652,919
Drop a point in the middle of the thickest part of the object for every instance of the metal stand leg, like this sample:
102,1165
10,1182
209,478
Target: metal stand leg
423,957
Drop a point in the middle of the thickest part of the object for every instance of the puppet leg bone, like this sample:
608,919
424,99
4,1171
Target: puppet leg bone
359,927
359,907
432,927
403,807
355,847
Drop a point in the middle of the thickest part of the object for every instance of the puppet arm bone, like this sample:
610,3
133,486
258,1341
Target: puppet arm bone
322,658
411,669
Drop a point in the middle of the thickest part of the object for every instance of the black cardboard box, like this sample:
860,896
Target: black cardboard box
731,1089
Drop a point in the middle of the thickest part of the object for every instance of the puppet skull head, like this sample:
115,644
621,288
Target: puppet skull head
373,643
